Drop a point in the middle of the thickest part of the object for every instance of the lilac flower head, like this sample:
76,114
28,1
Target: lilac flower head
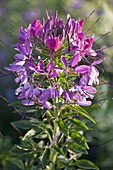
55,60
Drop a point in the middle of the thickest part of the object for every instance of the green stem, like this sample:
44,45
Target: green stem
53,152
53,156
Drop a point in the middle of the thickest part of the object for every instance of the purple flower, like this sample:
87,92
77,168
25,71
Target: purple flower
24,34
54,43
45,95
50,66
28,93
75,59
47,105
36,28
82,69
82,93
53,74
28,102
64,50
64,61
40,66
89,73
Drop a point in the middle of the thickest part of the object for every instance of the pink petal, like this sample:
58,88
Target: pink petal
64,61
75,59
84,103
51,43
19,63
19,56
50,66
19,89
90,89
28,102
13,67
82,69
98,61
41,65
21,49
45,95
53,74
48,105
27,46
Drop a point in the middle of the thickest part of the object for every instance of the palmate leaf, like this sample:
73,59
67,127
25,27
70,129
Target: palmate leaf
28,151
49,132
86,164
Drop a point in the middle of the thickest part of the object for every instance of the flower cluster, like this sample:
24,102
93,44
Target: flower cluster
55,62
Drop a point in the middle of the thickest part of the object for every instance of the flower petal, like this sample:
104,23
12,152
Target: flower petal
28,102
84,103
19,56
45,95
98,61
75,59
64,61
49,66
82,69
48,105
53,74
90,89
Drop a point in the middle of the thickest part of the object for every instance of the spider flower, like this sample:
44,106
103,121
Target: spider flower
55,60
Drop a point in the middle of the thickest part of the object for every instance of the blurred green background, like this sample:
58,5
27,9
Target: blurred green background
16,13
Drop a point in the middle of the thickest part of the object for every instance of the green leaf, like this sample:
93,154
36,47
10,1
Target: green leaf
63,160
77,148
29,134
86,164
16,103
78,110
41,112
23,124
92,107
79,139
83,112
78,123
17,163
36,168
89,124
63,127
59,150
49,132
20,107
46,157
